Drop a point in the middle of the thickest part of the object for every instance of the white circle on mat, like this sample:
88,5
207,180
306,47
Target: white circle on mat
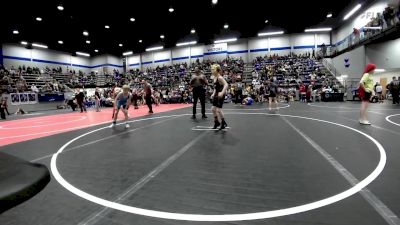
390,121
226,217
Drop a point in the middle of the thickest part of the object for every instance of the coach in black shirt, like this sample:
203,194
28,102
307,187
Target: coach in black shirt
197,83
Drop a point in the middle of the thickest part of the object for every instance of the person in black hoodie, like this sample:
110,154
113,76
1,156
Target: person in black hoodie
80,97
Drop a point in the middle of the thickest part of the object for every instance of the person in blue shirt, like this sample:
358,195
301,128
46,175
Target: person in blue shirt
122,101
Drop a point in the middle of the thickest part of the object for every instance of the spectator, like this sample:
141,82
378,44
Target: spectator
394,88
34,88
2,107
378,90
80,97
389,16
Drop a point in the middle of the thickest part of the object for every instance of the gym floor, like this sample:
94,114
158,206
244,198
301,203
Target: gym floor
304,164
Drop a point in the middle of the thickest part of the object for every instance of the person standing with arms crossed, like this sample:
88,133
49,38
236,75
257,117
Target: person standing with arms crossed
197,83
218,96
148,95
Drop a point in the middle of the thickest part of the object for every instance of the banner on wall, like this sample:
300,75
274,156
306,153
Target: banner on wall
221,47
23,98
51,97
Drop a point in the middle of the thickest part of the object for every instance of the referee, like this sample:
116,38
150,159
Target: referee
197,83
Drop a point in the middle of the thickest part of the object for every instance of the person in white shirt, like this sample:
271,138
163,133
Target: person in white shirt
378,90
34,88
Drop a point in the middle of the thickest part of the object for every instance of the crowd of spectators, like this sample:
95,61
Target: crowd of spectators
171,83
378,23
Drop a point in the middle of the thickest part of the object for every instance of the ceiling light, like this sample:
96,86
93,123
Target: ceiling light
24,43
83,54
107,27
60,42
85,33
329,15
214,2
266,21
120,45
226,26
154,48
87,42
318,29
96,50
60,7
162,36
352,12
193,31
15,32
186,43
38,19
127,53
39,45
270,33
171,10
373,28
132,19
140,41
225,40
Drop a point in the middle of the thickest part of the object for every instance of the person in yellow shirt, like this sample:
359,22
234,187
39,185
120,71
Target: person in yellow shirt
366,91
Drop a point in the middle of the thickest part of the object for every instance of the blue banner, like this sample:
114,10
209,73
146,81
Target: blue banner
51,97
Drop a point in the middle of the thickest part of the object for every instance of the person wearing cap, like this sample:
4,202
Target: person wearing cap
122,101
366,91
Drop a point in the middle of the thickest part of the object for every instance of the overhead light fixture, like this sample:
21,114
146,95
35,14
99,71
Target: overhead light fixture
38,18
107,27
226,26
266,21
380,70
120,45
15,32
270,33
127,53
154,48
318,29
140,41
132,19
186,43
83,54
373,28
214,2
225,40
85,33
24,43
355,9
162,36
87,42
329,15
60,42
193,31
96,50
39,45
60,7
171,9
